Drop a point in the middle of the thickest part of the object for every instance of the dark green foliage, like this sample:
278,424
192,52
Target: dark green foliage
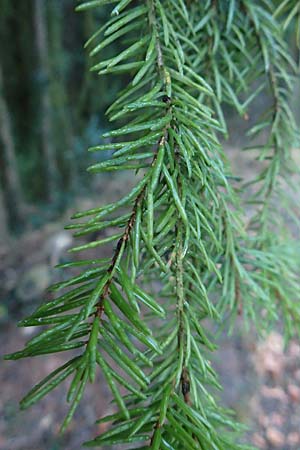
184,250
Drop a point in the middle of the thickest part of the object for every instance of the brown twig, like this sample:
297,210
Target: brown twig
185,385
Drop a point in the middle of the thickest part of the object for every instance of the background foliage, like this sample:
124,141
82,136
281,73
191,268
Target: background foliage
45,77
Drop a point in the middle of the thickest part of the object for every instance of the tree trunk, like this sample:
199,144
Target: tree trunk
296,97
3,220
86,98
50,164
11,172
64,127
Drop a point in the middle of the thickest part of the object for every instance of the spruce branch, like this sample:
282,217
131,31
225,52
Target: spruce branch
182,253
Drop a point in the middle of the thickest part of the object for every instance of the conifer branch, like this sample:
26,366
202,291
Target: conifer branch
182,254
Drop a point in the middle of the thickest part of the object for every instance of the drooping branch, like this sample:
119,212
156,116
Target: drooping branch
181,255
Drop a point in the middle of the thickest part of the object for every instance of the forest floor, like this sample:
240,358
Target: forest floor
261,379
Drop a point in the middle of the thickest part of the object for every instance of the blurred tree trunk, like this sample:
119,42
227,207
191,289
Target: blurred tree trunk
10,169
86,96
296,94
295,104
64,127
295,101
50,164
3,220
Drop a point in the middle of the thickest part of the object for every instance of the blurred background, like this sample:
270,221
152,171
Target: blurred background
51,110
